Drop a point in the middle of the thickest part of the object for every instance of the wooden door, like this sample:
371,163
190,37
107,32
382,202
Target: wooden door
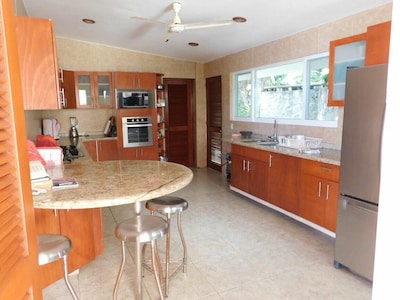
258,179
331,204
214,122
240,175
282,182
179,112
18,243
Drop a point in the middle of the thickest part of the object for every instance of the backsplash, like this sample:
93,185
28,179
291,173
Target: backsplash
90,121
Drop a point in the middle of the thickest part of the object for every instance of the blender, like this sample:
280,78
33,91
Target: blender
73,132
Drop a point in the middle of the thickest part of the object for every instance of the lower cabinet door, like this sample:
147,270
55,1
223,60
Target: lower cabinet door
77,224
82,226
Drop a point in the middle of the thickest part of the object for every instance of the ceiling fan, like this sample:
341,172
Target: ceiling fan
177,26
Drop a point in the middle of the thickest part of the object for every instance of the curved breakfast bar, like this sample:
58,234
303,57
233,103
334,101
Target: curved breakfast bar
111,183
117,182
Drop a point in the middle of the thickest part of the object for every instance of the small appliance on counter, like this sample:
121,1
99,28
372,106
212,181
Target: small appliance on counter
73,132
51,127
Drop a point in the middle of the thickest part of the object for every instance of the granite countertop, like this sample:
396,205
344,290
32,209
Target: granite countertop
110,183
331,156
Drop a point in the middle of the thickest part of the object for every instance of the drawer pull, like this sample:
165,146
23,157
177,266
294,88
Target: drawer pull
319,188
327,191
326,168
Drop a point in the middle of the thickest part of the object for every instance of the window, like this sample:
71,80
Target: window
294,92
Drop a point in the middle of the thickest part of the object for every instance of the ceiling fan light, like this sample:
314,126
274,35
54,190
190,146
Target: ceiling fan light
177,28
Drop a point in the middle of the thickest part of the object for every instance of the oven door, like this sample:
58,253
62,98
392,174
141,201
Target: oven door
137,135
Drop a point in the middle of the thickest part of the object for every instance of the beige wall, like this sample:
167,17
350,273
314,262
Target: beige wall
82,56
313,41
77,55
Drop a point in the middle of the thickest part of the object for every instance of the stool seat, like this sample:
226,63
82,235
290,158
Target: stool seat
52,247
167,205
141,228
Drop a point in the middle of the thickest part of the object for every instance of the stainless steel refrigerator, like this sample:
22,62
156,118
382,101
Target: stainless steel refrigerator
364,112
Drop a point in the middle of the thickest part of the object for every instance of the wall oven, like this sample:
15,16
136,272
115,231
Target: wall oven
137,131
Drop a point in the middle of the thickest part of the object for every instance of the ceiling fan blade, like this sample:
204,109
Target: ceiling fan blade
149,20
208,25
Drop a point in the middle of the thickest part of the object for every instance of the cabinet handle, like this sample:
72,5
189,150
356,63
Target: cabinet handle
325,168
319,188
61,76
270,160
55,212
327,191
248,166
243,165
63,101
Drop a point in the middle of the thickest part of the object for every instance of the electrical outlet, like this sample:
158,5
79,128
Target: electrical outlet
231,126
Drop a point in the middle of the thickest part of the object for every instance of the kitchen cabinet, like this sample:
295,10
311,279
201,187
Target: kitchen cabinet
88,89
144,153
366,49
82,226
160,103
343,54
249,168
135,80
38,63
319,193
102,149
378,41
283,181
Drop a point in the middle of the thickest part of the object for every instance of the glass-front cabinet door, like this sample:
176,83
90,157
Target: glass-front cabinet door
343,54
103,89
94,90
84,87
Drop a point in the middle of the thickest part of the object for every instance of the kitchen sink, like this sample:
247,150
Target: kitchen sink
267,143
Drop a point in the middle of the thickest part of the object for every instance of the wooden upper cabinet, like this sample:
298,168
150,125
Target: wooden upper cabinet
88,89
38,63
343,54
366,49
135,80
378,41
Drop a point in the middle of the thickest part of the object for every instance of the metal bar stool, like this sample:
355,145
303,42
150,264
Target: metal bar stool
168,205
141,229
53,247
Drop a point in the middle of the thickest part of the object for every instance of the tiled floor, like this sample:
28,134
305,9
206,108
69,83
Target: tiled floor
237,248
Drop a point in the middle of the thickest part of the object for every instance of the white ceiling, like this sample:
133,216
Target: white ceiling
266,21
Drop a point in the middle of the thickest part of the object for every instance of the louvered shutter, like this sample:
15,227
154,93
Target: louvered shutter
18,250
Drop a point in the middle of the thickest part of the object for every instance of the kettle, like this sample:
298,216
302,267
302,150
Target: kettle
51,127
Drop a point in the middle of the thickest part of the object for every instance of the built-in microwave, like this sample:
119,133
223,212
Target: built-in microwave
133,98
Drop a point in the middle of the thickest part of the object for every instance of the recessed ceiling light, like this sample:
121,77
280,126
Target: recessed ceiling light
239,19
193,44
88,21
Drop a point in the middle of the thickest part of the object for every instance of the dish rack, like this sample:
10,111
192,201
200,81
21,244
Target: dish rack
301,142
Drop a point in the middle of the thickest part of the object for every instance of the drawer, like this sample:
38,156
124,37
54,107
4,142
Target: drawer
320,169
251,153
